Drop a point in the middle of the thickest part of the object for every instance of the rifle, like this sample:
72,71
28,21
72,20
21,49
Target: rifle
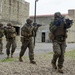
39,25
68,21
36,26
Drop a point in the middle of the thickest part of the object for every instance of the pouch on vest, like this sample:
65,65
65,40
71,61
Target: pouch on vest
51,36
21,39
60,38
53,28
13,35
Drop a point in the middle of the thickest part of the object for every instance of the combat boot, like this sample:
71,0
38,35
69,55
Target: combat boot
32,62
60,70
54,65
11,55
20,59
7,56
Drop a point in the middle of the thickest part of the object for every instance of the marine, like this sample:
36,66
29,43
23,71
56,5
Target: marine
1,35
10,34
27,32
58,29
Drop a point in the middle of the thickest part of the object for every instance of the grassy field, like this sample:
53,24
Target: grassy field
68,54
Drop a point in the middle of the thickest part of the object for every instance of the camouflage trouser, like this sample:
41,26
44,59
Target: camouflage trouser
1,46
11,43
59,50
29,44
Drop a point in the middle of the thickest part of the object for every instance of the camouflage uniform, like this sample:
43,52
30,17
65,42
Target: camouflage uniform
26,39
1,35
58,36
10,34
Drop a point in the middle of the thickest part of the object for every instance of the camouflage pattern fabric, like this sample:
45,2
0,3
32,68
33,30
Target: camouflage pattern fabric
11,40
26,39
59,50
58,31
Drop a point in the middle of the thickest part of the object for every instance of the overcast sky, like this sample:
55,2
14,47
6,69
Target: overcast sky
45,7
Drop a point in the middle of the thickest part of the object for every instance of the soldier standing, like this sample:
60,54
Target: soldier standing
1,35
10,34
58,29
27,32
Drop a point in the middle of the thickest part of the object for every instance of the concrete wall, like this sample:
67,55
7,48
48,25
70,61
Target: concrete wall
71,31
46,19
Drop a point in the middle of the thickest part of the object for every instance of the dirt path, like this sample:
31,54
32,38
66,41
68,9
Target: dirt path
43,67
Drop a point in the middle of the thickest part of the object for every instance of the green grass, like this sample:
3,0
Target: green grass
70,54
50,53
12,59
8,60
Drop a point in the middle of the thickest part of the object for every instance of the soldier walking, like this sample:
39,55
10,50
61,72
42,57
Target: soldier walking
58,28
10,34
1,35
27,32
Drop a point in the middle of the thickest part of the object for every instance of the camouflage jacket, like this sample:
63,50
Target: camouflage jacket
58,30
27,31
10,33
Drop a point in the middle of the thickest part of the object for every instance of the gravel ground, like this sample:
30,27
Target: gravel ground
43,67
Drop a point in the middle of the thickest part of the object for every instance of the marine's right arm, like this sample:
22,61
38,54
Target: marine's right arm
52,27
23,32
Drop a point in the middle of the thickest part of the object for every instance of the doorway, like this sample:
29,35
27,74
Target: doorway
43,36
17,30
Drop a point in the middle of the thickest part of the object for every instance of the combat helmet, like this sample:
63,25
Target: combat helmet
29,21
1,24
57,15
9,24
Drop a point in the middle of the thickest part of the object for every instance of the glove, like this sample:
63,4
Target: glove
57,22
68,21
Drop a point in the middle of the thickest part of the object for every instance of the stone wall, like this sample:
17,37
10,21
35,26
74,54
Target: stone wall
71,31
15,11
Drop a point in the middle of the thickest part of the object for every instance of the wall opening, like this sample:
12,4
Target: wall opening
17,30
43,37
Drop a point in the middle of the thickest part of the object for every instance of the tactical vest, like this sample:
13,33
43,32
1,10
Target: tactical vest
27,29
10,33
59,31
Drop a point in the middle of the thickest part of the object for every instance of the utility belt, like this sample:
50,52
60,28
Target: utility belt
60,38
11,38
25,38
